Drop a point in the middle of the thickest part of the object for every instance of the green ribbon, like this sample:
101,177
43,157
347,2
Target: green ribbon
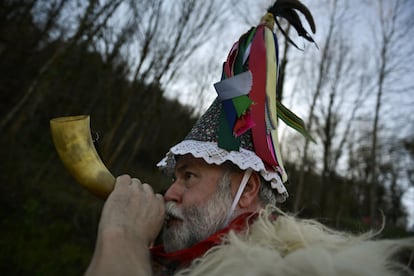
292,120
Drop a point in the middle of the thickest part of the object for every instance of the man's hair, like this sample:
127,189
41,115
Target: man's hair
266,193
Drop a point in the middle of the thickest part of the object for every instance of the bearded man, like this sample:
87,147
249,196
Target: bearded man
197,205
219,213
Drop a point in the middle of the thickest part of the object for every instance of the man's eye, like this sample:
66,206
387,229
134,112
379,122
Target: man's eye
188,175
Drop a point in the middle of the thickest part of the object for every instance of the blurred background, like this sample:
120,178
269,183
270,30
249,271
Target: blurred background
144,71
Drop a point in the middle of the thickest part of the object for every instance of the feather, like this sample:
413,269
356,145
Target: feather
287,10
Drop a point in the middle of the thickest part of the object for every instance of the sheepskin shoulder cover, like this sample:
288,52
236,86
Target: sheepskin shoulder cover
292,246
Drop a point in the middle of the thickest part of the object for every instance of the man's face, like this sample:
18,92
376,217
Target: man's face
196,203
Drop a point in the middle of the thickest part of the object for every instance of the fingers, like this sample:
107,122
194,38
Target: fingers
122,182
147,188
161,204
125,181
136,184
133,208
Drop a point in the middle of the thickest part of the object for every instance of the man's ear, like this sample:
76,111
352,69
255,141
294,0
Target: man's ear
250,195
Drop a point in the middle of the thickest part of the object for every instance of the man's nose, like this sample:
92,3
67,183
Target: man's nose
174,192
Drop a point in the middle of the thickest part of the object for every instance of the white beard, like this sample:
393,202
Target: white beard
197,222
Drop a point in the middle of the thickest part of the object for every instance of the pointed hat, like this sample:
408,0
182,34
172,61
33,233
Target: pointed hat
240,126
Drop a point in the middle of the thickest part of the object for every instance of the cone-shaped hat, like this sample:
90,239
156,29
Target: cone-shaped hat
241,124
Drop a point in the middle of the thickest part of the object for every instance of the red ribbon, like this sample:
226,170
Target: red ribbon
228,66
257,65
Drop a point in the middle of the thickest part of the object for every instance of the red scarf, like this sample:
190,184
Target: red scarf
182,258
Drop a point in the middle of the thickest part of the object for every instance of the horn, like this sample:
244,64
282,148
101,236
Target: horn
73,142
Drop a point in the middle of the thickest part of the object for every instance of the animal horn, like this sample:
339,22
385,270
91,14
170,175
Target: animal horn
73,142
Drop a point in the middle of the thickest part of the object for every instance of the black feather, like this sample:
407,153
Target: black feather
285,34
287,10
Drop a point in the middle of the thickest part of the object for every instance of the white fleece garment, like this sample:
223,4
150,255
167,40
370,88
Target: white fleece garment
291,246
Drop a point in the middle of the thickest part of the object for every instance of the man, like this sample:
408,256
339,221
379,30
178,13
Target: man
209,194
225,172
133,216
218,173
196,206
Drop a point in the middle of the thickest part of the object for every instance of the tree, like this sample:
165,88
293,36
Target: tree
323,65
393,53
90,24
159,35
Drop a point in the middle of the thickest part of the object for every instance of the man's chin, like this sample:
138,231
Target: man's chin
173,223
175,236
171,242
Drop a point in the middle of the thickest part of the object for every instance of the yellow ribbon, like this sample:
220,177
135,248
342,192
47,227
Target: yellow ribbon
269,20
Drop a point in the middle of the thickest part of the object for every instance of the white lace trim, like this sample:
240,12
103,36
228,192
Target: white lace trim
212,154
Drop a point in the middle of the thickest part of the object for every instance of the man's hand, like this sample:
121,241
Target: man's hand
133,209
131,219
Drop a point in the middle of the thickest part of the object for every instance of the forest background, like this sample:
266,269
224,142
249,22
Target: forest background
143,70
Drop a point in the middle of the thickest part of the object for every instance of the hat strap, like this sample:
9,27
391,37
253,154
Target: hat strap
236,199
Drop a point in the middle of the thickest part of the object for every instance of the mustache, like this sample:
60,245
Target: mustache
173,211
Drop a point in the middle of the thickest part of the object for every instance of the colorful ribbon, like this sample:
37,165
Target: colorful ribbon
249,96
